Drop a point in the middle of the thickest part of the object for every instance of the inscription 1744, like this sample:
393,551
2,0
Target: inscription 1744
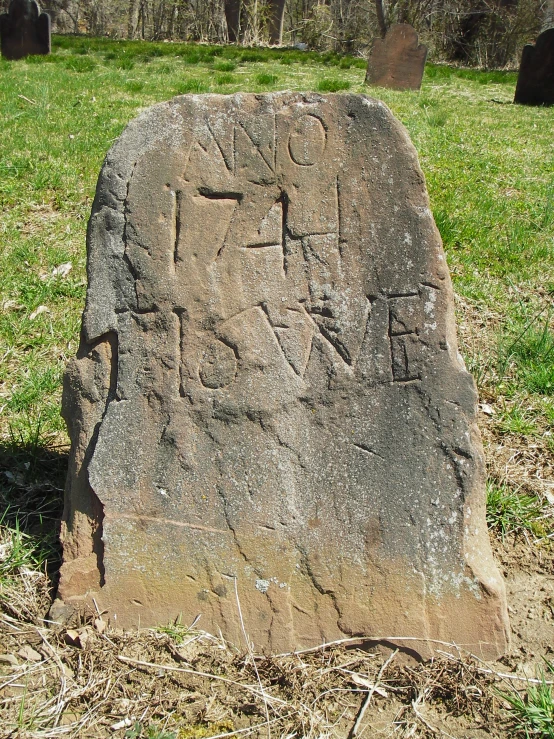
268,368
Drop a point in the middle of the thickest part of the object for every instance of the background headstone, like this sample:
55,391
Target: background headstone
397,61
24,30
268,393
535,82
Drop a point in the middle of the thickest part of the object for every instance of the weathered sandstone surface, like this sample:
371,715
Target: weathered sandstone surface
268,406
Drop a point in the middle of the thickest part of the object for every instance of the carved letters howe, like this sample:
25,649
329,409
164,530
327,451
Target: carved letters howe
283,403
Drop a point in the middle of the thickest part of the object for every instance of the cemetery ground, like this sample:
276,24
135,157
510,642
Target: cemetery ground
490,175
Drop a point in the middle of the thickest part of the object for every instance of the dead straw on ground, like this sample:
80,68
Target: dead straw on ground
88,679
91,680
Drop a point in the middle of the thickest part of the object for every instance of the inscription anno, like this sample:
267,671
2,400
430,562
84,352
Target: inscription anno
282,247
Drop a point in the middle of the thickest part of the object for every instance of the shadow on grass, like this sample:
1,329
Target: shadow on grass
32,477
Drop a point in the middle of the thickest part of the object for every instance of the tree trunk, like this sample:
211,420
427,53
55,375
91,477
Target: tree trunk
403,11
143,11
72,13
232,16
132,21
380,10
173,18
276,17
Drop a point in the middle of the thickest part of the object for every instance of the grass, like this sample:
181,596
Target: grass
534,710
177,631
332,85
17,552
264,79
138,731
510,511
488,166
225,79
492,196
24,590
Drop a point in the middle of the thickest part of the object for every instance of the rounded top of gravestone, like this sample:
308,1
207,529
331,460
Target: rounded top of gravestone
545,38
24,9
403,30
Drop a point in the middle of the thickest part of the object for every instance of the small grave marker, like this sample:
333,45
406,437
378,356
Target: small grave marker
397,61
24,30
535,82
268,393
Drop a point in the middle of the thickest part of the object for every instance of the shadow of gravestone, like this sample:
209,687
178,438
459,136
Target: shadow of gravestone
31,497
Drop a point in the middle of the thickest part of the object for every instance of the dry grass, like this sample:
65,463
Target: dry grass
92,681
87,679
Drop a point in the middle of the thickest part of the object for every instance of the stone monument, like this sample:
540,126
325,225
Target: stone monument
268,407
24,30
535,81
397,61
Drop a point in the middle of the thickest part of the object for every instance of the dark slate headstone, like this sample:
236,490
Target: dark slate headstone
268,404
535,82
397,61
24,30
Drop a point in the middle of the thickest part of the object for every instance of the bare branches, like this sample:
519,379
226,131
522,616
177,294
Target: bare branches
483,32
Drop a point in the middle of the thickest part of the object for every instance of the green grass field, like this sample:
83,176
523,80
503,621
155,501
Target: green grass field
489,169
490,174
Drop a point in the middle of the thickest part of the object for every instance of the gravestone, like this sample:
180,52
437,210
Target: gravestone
268,407
24,30
535,82
397,61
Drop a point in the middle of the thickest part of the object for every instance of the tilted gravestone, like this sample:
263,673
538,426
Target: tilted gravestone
397,61
24,30
268,395
535,82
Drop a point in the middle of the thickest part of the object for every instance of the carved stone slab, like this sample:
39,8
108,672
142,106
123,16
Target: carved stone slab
24,30
268,394
397,61
535,82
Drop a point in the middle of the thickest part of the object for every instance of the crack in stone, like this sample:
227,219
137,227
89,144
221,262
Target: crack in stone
306,567
368,450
